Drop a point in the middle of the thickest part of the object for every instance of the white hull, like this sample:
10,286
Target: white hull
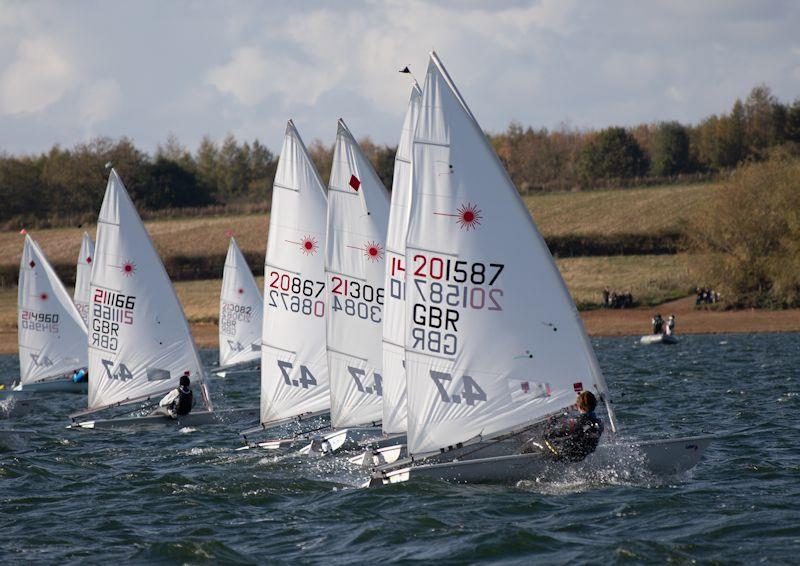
197,418
385,450
65,385
659,457
659,339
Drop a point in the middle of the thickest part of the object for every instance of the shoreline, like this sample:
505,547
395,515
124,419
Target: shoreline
599,323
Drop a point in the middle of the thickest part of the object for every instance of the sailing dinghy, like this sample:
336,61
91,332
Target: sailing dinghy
140,344
358,218
83,277
52,334
494,343
240,314
294,367
391,447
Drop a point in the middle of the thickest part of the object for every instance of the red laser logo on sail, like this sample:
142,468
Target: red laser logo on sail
468,216
44,296
373,251
128,268
308,244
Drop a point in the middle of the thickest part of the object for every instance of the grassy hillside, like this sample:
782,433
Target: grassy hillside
651,279
195,248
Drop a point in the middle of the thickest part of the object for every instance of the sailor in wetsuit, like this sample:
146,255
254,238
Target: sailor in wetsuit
178,402
575,439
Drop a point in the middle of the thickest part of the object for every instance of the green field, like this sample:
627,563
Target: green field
651,280
597,213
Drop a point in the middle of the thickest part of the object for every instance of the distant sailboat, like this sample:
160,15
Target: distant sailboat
494,343
139,343
294,366
240,315
52,334
83,277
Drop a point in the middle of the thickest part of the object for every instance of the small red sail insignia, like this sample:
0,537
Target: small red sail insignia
355,183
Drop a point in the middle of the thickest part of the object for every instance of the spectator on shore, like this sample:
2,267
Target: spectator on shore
658,324
606,296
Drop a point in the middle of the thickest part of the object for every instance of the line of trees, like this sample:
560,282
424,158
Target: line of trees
566,159
749,249
65,186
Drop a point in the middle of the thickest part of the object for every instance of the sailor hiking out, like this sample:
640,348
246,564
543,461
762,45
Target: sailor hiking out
571,439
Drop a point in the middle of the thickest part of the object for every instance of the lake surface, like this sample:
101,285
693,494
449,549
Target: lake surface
170,496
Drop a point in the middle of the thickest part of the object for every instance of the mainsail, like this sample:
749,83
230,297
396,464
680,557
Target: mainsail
294,367
83,277
139,339
493,339
52,335
358,216
240,311
394,375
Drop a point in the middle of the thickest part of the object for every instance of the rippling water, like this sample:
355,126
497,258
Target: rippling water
168,495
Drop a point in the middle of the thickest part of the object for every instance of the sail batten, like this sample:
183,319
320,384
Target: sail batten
357,221
493,340
240,311
139,338
294,367
52,333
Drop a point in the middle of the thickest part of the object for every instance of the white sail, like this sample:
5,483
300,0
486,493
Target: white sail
358,217
139,339
294,366
394,375
83,277
493,338
240,311
52,335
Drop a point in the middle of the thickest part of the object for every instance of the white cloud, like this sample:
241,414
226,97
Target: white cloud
38,76
99,101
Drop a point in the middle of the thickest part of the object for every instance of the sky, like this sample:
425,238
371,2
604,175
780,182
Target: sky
70,71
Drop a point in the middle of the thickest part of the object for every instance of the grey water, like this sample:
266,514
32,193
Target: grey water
165,495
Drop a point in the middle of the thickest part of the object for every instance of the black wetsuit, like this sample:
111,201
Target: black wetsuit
577,439
184,401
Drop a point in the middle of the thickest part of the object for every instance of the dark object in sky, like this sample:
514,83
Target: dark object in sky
405,70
